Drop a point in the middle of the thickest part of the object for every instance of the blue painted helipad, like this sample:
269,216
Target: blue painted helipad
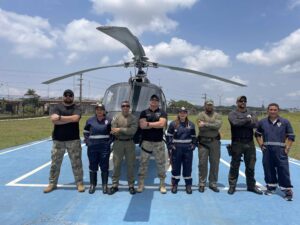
25,170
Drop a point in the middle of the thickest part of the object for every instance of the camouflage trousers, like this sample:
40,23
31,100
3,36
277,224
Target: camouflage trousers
158,151
57,154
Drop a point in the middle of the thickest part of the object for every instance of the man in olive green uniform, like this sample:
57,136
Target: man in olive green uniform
123,127
209,123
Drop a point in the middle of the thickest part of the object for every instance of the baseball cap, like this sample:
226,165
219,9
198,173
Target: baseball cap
242,97
154,97
100,106
182,109
209,102
68,91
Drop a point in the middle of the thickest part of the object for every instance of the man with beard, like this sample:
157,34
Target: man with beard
65,136
124,126
209,123
152,122
242,122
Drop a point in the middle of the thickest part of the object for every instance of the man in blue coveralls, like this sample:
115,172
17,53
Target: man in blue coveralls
275,136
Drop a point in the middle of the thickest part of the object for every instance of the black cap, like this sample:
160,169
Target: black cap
183,109
154,97
68,91
100,106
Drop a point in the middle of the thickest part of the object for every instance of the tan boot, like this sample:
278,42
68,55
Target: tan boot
162,186
141,186
80,187
50,188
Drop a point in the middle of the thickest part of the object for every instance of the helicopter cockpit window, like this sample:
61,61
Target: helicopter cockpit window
115,95
144,96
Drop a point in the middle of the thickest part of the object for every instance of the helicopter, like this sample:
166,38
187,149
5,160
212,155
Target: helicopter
138,89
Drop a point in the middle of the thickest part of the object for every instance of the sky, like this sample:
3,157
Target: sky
253,42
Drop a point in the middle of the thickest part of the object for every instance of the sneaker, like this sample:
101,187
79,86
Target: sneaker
270,191
288,195
50,188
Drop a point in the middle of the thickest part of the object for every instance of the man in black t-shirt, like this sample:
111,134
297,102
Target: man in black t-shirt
65,136
152,122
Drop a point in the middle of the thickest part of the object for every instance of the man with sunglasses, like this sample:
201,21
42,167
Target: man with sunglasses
152,122
65,136
242,122
124,126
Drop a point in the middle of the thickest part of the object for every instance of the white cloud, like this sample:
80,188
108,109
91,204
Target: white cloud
286,51
294,94
82,36
293,4
142,15
73,56
30,35
291,68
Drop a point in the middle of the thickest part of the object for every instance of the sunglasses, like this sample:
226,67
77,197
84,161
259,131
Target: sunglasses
123,106
68,95
243,101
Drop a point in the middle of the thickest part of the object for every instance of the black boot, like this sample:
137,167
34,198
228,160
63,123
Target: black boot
188,189
93,182
174,186
104,176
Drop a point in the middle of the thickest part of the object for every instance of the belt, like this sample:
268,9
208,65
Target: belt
244,140
206,138
126,139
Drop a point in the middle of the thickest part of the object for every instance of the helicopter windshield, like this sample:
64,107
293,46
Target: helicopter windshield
138,95
114,96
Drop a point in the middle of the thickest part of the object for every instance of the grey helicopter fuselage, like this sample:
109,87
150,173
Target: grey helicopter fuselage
137,92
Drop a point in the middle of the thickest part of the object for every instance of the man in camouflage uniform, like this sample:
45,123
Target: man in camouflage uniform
209,123
152,122
124,126
65,136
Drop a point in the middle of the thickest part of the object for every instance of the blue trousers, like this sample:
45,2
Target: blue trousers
276,167
182,155
99,156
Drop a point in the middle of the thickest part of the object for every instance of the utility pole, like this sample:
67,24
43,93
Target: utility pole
220,100
204,97
80,89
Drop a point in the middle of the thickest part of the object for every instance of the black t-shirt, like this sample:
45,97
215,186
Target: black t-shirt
68,131
153,134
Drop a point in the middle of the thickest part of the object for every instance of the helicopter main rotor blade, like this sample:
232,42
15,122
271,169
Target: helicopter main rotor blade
80,72
198,73
123,35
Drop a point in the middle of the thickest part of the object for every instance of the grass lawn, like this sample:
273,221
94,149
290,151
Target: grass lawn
17,132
